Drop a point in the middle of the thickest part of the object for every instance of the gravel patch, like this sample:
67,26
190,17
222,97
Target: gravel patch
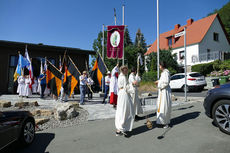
81,118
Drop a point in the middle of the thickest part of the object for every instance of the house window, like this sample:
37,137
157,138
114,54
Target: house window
208,54
181,55
170,41
215,36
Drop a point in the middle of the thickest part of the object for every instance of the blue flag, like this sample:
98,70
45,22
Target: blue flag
22,62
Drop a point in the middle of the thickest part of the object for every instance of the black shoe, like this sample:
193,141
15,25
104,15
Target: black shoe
126,134
137,118
119,133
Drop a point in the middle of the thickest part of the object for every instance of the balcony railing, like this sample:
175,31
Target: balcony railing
211,56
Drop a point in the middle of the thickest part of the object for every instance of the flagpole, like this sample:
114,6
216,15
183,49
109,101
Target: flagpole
103,54
123,22
53,66
158,50
80,73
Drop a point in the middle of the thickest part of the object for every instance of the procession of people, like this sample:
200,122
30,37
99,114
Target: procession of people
120,89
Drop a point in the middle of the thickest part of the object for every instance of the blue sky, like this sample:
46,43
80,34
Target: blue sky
76,23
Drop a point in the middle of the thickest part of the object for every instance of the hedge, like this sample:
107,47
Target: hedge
203,69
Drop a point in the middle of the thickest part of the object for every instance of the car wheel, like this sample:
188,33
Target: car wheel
221,115
187,88
27,133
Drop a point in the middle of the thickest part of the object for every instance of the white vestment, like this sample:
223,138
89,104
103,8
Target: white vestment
27,88
21,86
35,86
39,90
134,94
125,113
164,102
113,82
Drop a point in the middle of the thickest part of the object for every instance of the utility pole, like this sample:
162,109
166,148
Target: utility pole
158,50
185,65
123,23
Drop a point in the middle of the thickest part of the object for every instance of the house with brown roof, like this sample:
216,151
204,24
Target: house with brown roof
206,41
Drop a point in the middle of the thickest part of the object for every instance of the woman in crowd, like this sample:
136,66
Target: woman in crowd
125,111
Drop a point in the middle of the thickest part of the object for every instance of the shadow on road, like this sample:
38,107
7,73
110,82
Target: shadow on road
183,108
183,118
174,121
42,140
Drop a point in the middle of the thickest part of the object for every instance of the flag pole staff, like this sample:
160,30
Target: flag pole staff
123,23
53,65
80,73
103,53
64,57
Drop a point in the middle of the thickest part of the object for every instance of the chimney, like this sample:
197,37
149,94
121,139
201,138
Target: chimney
189,22
177,26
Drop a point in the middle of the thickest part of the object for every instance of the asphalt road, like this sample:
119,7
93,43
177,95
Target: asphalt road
191,132
191,94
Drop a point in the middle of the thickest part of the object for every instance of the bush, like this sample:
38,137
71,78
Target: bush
203,69
149,76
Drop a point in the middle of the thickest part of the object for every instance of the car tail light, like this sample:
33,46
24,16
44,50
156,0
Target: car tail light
191,79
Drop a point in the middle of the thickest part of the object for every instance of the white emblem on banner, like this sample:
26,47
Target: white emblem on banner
115,39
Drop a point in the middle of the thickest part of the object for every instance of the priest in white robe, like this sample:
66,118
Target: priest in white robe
164,102
134,80
124,117
21,86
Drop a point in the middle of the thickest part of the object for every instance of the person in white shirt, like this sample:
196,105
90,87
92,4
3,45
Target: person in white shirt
134,80
125,111
107,82
21,86
164,102
27,86
113,87
35,85
83,84
90,83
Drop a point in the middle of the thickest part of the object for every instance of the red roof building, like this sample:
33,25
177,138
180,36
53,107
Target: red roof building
204,37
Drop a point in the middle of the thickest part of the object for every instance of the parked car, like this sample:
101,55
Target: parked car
217,106
195,81
16,126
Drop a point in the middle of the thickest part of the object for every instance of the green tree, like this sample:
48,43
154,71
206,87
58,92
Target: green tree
127,38
165,56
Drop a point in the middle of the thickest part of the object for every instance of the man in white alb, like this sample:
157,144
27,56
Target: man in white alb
134,79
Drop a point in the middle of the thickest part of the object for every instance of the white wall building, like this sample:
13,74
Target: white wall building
206,41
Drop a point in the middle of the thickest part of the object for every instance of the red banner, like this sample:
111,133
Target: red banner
115,40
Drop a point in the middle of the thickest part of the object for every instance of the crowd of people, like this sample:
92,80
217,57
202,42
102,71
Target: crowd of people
124,97
121,91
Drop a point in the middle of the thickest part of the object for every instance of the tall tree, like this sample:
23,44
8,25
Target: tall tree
127,38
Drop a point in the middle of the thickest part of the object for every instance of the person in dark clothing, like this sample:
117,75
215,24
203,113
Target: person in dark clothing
42,79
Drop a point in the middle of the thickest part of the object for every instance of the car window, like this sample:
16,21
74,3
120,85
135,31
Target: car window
195,75
181,76
174,77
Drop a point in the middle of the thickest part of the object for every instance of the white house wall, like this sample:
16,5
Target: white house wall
192,51
209,43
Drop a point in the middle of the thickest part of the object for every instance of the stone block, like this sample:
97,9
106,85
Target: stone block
40,121
4,104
